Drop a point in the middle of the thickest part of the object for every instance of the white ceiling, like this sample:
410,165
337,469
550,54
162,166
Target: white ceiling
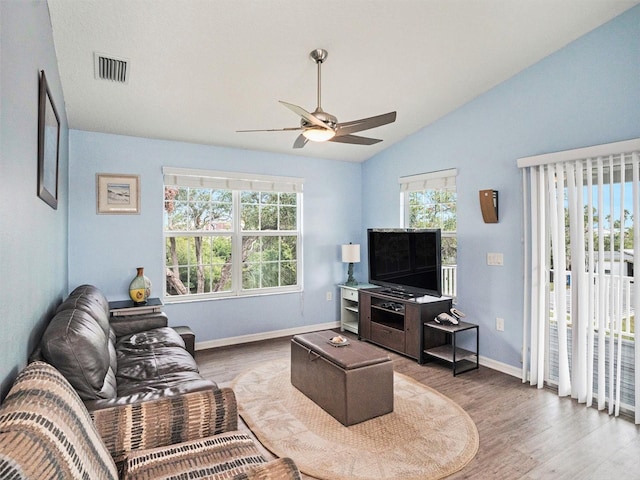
202,69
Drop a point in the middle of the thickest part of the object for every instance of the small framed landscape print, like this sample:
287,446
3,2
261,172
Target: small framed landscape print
117,194
48,145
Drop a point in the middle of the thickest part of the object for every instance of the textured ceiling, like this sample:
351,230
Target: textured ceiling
202,69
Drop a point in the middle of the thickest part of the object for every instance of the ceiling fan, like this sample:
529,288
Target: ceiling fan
320,126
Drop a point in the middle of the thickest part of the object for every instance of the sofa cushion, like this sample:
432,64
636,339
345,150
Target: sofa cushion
166,421
91,300
231,455
222,456
77,345
46,431
153,367
157,337
127,324
154,360
130,393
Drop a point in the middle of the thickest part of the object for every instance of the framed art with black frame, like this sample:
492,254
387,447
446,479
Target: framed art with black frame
48,145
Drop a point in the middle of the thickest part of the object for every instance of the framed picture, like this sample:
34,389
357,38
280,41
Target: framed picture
118,193
48,145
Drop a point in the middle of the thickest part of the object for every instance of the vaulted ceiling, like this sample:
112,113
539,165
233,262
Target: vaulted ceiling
199,70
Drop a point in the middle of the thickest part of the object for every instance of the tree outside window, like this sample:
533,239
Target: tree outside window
221,242
436,208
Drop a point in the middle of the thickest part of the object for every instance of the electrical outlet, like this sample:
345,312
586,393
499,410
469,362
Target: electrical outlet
329,296
495,259
500,324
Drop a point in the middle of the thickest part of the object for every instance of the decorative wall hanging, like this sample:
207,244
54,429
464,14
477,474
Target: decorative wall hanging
489,205
48,145
117,194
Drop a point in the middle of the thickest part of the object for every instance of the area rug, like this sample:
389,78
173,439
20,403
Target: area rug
427,436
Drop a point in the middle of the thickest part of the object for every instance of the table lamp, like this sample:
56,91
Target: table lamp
350,255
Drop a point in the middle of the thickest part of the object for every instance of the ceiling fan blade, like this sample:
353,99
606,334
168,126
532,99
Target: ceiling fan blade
355,139
345,128
288,129
300,142
304,114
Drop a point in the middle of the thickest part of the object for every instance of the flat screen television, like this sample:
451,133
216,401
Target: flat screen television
406,261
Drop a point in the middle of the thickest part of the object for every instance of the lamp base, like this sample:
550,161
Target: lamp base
351,282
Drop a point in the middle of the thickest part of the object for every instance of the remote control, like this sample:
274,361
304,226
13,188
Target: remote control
457,313
445,318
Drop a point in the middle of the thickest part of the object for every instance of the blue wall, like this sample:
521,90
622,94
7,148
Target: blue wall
33,236
106,249
588,93
585,94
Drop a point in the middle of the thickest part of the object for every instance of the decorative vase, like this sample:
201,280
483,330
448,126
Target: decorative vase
140,288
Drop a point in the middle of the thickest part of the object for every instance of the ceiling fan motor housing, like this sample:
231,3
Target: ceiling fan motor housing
326,118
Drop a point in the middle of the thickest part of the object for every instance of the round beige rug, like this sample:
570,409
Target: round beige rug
427,436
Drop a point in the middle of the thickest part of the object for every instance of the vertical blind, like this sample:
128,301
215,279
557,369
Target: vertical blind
582,285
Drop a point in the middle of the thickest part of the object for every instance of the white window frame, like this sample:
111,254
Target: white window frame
440,180
237,183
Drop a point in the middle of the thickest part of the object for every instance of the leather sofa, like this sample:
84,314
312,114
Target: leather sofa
119,360
106,398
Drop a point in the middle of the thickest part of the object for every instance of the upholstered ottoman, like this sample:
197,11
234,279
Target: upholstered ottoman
352,383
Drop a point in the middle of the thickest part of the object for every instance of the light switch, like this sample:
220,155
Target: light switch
495,259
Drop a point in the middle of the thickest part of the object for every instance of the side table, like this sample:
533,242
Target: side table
121,308
449,352
349,316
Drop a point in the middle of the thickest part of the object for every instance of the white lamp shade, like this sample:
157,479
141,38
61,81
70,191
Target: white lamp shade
351,253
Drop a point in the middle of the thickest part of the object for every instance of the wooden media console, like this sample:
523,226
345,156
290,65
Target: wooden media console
397,323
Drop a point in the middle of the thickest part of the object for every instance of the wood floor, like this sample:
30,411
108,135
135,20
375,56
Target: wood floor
525,433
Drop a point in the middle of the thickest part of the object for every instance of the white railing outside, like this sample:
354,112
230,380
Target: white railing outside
449,283
618,302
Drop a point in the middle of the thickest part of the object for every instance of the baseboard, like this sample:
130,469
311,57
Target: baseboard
501,367
255,337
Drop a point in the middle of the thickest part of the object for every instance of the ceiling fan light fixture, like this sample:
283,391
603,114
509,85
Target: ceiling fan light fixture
318,134
320,126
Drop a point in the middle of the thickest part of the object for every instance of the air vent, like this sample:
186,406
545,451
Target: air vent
111,68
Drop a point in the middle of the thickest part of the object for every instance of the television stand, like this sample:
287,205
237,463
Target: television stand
397,323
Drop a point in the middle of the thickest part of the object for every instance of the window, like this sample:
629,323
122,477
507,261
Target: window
229,234
429,201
